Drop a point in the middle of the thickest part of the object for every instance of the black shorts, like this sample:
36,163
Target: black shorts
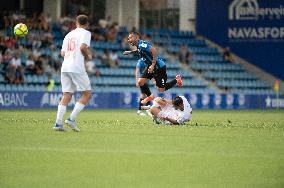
160,76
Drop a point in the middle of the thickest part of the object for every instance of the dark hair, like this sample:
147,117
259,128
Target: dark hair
177,101
82,19
136,33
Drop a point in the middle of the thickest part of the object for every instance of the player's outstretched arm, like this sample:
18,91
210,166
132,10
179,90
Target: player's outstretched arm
130,52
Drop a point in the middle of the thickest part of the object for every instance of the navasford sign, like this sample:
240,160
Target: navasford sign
253,29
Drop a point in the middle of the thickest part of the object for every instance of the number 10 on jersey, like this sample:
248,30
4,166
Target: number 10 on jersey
71,44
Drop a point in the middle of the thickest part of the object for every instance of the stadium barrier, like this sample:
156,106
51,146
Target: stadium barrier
36,100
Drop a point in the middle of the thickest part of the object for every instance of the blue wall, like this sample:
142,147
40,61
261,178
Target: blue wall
253,29
34,100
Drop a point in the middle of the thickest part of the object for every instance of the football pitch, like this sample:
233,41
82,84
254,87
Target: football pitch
117,148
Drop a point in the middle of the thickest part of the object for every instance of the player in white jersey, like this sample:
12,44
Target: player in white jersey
75,50
176,111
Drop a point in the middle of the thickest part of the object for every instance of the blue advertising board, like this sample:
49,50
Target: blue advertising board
253,29
37,100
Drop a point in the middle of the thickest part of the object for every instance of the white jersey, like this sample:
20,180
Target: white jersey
73,58
186,114
178,115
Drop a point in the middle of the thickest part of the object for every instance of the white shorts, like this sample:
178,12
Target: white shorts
169,112
72,82
184,117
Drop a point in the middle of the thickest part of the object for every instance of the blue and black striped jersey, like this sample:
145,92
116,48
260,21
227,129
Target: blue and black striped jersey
145,54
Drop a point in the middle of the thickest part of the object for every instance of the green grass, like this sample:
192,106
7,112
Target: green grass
116,148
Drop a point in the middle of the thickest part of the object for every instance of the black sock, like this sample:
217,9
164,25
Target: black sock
146,90
140,104
170,84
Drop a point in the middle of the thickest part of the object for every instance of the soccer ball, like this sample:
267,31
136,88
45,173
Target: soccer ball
20,30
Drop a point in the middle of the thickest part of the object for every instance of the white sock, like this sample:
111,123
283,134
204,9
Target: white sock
77,109
60,113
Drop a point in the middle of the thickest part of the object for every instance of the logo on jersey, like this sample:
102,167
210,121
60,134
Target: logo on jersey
144,45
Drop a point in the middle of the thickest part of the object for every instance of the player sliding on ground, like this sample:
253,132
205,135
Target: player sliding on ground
176,111
75,50
156,67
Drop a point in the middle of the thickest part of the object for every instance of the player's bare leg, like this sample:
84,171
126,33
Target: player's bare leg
79,106
61,110
154,110
66,98
142,81
86,96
